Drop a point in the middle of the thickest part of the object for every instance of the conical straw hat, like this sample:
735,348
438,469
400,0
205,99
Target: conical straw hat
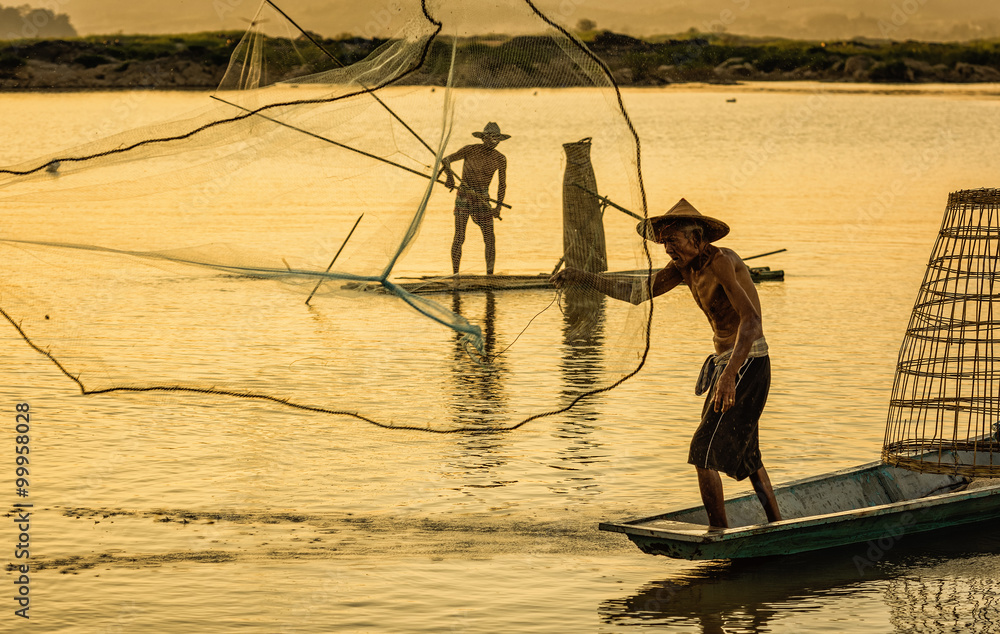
650,228
491,129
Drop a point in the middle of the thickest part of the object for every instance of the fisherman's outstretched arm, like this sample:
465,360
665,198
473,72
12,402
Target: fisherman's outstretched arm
634,291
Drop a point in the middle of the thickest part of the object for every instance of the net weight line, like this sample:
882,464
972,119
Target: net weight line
250,395
53,164
257,396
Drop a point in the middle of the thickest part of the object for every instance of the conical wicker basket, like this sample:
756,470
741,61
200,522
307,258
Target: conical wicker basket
944,414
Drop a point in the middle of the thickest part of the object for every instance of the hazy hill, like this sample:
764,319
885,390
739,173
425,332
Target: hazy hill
25,22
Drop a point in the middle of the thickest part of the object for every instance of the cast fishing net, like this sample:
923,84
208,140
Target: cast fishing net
178,256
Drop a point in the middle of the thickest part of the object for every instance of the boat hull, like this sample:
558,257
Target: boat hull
861,513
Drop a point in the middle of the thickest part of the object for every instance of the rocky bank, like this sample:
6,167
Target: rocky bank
200,61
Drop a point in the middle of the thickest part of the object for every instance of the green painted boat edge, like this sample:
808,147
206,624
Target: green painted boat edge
875,524
815,532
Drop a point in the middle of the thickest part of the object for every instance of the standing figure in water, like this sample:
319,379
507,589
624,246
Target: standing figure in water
738,375
479,163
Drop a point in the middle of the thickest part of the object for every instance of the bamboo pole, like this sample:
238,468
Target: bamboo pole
753,257
344,145
607,201
350,233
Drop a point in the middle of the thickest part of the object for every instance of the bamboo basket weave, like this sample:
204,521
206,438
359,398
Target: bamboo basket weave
944,413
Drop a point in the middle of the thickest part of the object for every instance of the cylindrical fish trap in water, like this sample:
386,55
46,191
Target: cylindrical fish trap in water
584,246
944,414
583,224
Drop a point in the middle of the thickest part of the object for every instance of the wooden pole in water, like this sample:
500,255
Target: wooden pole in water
607,201
584,246
760,255
350,233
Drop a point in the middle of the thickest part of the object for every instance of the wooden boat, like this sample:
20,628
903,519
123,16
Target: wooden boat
875,503
448,284
765,274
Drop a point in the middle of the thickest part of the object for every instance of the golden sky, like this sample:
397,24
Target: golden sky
820,19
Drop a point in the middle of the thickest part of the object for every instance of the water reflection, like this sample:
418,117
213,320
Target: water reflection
921,604
583,338
479,392
478,399
927,580
582,370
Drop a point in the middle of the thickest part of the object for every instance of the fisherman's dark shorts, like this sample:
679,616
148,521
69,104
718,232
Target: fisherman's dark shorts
468,205
728,442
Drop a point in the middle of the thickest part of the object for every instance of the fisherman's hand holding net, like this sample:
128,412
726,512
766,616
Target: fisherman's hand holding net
449,180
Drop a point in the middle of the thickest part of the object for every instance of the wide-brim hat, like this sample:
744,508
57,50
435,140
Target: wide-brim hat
491,129
683,211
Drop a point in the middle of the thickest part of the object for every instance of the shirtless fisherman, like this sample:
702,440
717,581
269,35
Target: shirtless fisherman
479,162
737,385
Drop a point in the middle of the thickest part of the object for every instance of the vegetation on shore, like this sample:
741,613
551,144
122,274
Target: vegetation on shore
699,57
199,60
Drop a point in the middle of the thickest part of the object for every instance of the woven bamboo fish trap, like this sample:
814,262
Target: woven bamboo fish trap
944,414
583,224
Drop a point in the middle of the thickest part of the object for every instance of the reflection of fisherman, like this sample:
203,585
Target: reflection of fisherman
479,162
738,376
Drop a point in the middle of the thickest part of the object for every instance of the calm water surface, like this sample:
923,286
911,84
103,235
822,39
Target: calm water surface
191,513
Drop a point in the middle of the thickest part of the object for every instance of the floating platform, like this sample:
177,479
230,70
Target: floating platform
466,283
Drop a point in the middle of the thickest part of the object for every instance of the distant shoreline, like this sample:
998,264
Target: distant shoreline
199,61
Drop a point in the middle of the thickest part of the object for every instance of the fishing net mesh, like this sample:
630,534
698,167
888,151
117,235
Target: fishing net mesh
179,256
944,414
